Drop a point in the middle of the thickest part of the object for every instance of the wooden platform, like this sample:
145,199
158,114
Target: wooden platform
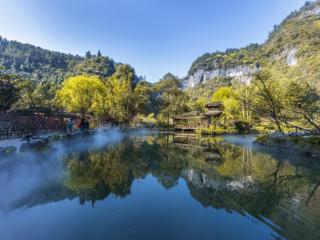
185,127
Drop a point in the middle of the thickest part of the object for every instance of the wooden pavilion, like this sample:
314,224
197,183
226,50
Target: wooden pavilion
194,120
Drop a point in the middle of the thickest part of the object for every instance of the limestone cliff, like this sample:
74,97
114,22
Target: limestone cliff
293,43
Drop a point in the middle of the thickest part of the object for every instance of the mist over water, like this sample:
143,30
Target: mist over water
27,171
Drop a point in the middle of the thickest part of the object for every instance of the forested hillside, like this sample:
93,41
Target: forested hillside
39,64
292,44
30,77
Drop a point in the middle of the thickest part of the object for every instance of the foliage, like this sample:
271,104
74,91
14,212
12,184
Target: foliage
120,98
33,94
98,65
300,31
34,62
81,94
171,99
231,105
17,92
142,95
141,120
267,98
303,102
200,95
117,96
228,59
287,103
9,92
242,127
290,57
39,64
216,129
284,95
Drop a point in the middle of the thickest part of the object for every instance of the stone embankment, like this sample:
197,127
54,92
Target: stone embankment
303,143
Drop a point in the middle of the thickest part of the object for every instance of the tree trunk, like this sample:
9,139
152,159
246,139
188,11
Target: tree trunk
278,123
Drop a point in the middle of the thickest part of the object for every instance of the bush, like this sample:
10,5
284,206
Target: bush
148,121
242,127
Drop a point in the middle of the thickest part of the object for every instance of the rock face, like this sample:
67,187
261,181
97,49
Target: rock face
311,12
291,57
241,73
288,56
292,42
201,180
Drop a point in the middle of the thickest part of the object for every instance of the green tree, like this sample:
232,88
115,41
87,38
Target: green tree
171,99
34,94
303,102
97,66
88,55
267,99
9,93
99,55
142,95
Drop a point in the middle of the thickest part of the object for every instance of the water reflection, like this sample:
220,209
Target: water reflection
218,175
282,194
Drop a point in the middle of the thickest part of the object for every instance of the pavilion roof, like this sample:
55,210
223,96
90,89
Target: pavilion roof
213,113
214,105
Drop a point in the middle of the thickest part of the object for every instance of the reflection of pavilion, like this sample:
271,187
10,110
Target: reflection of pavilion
189,142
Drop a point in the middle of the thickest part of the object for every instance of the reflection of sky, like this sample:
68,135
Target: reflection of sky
150,212
155,36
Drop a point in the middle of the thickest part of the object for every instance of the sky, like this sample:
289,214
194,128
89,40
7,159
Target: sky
154,36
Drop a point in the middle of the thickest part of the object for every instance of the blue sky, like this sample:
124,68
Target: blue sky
154,36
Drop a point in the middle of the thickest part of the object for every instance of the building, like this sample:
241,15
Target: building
192,121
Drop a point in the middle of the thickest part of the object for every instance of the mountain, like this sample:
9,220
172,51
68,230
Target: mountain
39,64
292,47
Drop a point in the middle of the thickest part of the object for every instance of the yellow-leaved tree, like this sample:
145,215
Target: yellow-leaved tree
231,105
119,99
82,94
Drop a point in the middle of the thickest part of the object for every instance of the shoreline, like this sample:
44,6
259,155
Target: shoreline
308,145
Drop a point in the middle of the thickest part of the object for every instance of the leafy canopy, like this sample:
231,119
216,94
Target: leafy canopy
81,94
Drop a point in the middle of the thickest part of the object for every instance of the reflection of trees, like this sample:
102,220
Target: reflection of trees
243,181
255,183
96,174
171,163
93,175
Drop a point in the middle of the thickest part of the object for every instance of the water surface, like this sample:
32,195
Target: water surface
150,186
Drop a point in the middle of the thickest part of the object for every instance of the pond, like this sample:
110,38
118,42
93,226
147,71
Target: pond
145,185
